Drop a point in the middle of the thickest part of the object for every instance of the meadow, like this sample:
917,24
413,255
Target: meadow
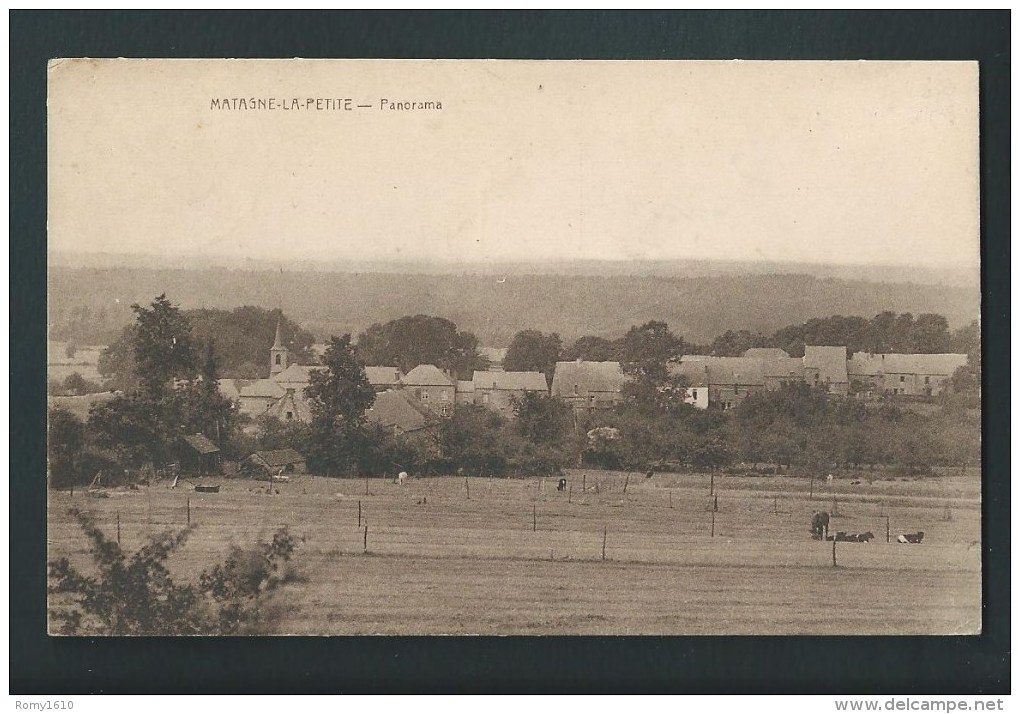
613,554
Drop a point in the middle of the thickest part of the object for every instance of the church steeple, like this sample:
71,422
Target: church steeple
277,354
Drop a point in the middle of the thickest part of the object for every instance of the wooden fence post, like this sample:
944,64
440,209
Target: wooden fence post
713,525
189,511
671,498
359,513
570,493
887,529
534,518
605,531
711,484
834,552
811,492
467,488
118,527
715,505
366,539
584,482
625,482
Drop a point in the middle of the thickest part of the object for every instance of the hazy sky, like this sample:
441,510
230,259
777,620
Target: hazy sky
810,161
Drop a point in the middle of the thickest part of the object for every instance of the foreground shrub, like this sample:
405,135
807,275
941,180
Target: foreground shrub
133,594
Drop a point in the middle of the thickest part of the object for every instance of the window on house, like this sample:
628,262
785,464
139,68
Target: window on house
927,380
576,392
444,410
903,379
424,396
694,394
591,399
290,415
277,359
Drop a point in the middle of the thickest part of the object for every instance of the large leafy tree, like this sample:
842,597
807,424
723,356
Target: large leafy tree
163,347
593,348
339,395
735,343
646,352
542,419
176,394
420,339
66,441
243,337
532,351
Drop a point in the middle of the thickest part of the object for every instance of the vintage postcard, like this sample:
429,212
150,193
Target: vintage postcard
366,347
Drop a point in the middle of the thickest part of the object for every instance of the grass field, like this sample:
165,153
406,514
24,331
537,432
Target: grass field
515,556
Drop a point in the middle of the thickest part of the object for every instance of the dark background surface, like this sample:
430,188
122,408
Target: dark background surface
39,664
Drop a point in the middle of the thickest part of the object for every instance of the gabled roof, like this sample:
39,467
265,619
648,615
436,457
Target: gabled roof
766,353
786,367
511,381
427,375
588,377
231,388
867,364
695,372
382,376
278,457
397,408
734,371
200,443
829,361
296,373
299,407
263,388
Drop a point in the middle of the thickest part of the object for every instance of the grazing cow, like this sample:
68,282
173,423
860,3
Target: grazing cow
866,537
910,537
402,477
561,485
820,525
828,479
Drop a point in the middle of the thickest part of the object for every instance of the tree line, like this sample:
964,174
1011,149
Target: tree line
174,391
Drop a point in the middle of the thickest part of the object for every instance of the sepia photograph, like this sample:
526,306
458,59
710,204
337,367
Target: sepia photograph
508,347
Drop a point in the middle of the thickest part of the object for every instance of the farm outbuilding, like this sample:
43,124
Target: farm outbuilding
197,454
275,461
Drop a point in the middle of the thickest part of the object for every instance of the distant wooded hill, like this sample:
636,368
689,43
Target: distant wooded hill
91,305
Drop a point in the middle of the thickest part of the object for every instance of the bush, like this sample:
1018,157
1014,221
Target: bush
135,595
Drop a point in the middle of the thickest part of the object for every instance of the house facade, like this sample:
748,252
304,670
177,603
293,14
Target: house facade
904,375
589,386
826,367
497,390
433,387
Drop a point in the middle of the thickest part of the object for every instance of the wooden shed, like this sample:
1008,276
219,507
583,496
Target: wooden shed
276,461
197,454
